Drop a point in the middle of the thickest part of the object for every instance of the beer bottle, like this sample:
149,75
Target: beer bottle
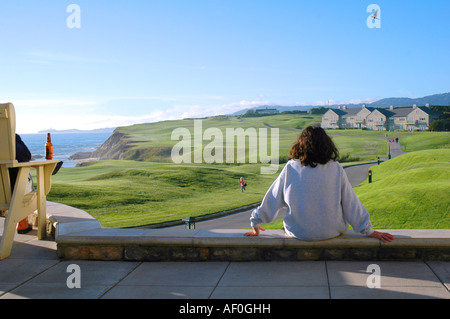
49,148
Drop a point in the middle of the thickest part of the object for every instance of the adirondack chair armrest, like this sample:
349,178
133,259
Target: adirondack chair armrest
44,172
14,164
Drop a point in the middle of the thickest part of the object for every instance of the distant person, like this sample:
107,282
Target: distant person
314,193
243,184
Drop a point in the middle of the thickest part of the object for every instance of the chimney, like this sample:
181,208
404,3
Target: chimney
364,106
391,107
427,105
339,107
415,106
344,107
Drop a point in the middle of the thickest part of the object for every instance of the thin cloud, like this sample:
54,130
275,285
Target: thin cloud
54,102
41,56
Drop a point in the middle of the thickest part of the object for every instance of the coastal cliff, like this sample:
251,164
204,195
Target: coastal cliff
120,146
113,148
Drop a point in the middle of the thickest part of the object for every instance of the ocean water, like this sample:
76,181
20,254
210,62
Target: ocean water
64,145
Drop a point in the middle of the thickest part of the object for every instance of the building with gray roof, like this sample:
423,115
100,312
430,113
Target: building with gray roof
380,119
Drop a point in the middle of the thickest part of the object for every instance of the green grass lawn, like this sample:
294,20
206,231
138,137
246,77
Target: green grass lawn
132,193
410,141
408,192
153,141
152,189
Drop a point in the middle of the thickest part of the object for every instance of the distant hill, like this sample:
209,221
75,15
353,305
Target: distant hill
435,99
99,130
278,107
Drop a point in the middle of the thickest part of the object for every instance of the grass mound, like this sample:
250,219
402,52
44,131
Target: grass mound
410,191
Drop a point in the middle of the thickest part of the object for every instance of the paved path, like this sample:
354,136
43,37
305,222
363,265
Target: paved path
33,271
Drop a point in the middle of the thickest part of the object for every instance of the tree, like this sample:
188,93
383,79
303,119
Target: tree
249,113
445,109
319,110
437,125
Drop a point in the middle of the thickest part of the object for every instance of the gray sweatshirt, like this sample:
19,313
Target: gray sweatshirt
319,202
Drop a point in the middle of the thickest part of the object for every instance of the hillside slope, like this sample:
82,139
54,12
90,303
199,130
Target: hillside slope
407,192
410,191
154,142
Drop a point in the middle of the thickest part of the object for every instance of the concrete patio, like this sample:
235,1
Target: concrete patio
34,271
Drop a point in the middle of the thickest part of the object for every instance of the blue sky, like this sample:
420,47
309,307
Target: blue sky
143,61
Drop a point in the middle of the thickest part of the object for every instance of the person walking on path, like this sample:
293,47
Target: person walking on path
314,193
243,184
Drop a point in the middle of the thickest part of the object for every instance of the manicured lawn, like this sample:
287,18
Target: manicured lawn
410,141
153,141
408,192
131,193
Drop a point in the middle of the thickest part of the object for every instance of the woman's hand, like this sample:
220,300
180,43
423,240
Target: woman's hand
255,231
384,237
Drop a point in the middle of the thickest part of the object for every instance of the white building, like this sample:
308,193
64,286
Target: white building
403,118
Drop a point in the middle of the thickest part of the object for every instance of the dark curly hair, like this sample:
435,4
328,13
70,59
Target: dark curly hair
314,146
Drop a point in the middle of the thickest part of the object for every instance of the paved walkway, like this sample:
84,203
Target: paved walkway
34,271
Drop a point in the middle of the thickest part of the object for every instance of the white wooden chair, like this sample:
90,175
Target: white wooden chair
19,204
